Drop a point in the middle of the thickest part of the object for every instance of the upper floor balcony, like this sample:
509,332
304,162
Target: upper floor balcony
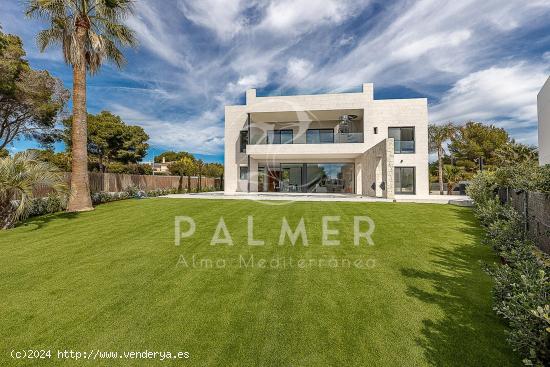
305,127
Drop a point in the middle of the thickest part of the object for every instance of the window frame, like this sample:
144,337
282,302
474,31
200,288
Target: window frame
243,143
241,173
400,151
278,132
400,176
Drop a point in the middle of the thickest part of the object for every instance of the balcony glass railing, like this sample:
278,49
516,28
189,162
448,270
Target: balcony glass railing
338,138
404,146
348,138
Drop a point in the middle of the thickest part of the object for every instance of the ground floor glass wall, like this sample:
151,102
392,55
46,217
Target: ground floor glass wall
307,177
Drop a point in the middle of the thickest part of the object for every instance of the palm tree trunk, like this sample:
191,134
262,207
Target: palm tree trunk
80,199
440,170
180,185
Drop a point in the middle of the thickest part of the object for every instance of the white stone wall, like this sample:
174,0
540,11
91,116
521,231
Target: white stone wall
543,107
384,114
235,121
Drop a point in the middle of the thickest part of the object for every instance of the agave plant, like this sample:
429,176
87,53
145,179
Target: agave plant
19,175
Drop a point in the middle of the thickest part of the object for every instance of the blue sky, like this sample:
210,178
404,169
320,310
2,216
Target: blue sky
483,60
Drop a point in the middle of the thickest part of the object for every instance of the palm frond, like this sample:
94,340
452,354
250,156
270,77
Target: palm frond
20,175
102,20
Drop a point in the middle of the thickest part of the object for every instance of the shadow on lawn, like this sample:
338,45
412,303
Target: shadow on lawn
469,333
35,223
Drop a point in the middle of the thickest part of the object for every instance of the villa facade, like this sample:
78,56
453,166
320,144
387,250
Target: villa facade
346,143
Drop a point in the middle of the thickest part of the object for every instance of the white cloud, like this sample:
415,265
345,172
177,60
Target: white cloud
156,35
426,43
297,69
198,134
431,42
505,96
224,17
298,16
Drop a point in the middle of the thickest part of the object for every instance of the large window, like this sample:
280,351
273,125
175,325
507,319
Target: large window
330,177
319,136
403,139
279,136
404,180
243,141
307,177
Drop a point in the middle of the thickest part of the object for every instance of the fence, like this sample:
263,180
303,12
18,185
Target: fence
116,182
535,208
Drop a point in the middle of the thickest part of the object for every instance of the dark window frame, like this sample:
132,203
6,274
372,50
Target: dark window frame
278,132
319,131
243,141
414,181
400,151
241,172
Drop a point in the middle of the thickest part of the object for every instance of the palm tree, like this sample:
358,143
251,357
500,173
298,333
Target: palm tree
438,135
19,175
89,31
199,168
452,174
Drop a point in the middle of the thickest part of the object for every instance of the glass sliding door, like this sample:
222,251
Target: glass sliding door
291,177
404,179
330,177
307,177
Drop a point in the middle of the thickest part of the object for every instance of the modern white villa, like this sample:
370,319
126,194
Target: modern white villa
347,143
543,108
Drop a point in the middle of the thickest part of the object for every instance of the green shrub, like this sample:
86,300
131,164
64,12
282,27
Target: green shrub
489,212
543,179
482,187
521,286
520,293
505,226
51,204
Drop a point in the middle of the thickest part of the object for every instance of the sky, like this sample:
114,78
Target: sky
473,60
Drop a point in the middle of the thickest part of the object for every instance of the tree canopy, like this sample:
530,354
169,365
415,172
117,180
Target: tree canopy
111,140
475,140
30,100
171,156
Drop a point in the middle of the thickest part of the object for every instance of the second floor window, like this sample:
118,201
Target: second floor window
243,140
319,136
403,139
279,136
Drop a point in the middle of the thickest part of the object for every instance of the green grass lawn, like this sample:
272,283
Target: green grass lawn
109,280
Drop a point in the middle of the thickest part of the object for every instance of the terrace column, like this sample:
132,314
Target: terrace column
377,173
253,172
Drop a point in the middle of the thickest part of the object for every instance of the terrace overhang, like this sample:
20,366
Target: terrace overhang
305,151
291,115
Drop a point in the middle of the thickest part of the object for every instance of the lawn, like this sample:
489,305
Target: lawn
113,280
